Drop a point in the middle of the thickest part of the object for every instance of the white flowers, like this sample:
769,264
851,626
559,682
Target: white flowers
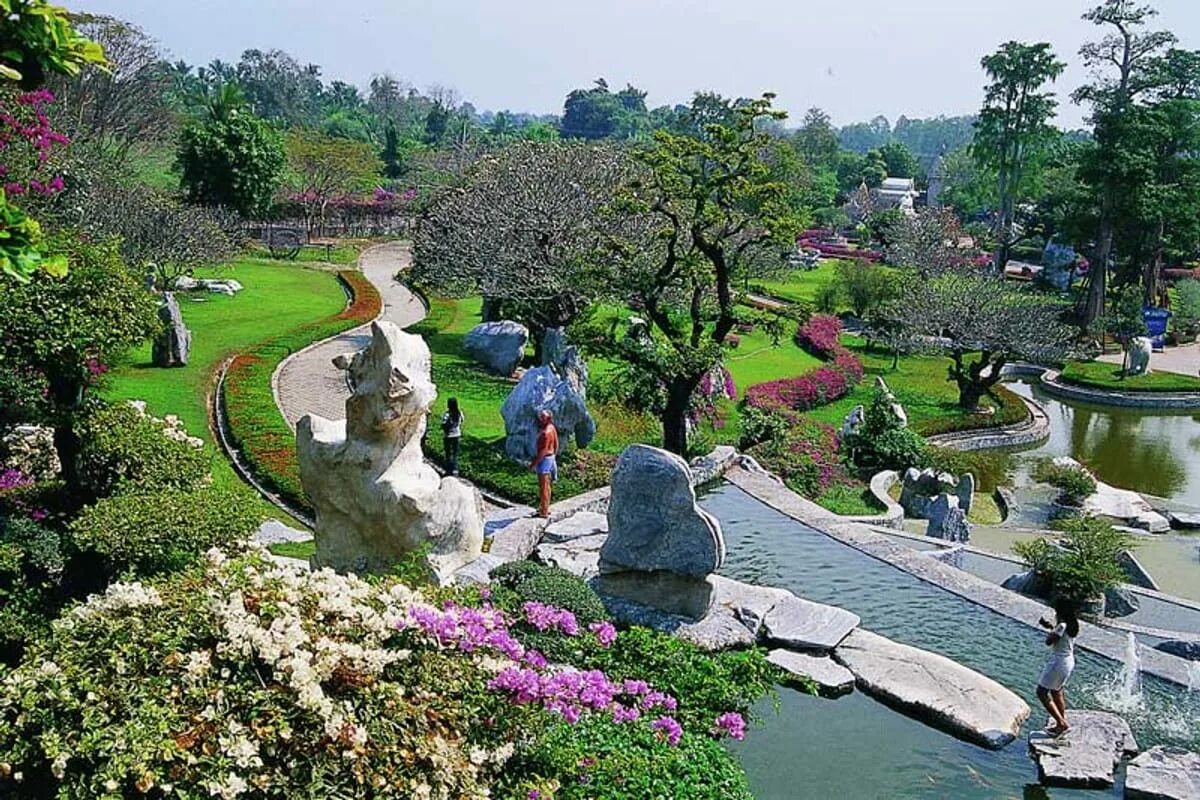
58,767
229,788
118,598
198,664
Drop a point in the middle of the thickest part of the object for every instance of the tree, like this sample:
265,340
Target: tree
591,113
324,168
926,243
38,40
1131,50
899,160
529,229
864,286
120,106
61,333
231,158
817,140
279,88
982,322
711,210
1014,127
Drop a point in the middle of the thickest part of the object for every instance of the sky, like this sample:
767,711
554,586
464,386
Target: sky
853,58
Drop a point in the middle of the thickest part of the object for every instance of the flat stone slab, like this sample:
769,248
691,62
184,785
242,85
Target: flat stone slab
799,624
934,688
748,603
275,532
1163,773
1184,520
579,556
477,571
831,677
1086,756
717,631
576,526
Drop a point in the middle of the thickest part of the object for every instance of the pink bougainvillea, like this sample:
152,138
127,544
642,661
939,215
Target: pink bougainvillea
820,335
27,142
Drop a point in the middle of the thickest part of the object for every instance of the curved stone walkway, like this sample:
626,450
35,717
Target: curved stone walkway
307,382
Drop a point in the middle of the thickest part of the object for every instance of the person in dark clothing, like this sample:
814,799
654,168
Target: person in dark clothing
452,422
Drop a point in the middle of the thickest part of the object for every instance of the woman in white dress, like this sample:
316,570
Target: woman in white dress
1052,684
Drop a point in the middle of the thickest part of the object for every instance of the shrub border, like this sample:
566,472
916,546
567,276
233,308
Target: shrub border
255,425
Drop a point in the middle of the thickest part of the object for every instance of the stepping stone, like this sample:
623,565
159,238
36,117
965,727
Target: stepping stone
274,532
1184,520
798,624
580,556
477,571
1163,773
576,526
934,688
1086,756
831,677
748,603
717,631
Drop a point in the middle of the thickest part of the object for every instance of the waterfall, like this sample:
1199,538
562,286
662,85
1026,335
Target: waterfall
1131,674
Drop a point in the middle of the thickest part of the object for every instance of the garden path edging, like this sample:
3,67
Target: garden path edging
1050,381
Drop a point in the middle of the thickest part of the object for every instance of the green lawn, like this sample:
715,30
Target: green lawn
1103,375
277,296
801,286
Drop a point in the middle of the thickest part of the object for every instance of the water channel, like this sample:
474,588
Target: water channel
854,747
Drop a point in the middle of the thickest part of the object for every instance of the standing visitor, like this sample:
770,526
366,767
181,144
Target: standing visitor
452,422
1052,684
544,462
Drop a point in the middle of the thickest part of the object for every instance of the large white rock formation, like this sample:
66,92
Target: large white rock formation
376,499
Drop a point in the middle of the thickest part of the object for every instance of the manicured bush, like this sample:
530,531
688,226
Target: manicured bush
882,441
820,335
256,427
152,533
246,677
1074,483
124,450
31,561
1080,565
1009,409
539,583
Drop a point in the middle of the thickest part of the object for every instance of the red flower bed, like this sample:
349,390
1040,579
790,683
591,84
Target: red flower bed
819,336
840,250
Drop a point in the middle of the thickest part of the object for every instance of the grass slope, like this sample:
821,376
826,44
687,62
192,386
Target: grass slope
277,297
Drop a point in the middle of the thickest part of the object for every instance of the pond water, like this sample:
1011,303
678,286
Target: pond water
1154,452
856,748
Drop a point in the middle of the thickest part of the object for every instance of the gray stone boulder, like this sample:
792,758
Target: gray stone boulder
1180,648
1027,583
1135,573
1163,773
654,522
965,492
542,389
499,346
174,341
946,520
1086,756
934,688
554,347
715,631
799,624
747,603
579,556
682,595
831,678
706,469
1119,602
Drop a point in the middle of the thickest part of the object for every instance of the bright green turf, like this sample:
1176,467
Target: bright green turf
277,296
1103,375
801,286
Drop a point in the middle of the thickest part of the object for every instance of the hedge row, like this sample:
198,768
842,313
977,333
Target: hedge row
817,387
256,427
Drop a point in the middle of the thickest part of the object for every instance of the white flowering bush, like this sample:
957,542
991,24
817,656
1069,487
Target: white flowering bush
243,677
125,450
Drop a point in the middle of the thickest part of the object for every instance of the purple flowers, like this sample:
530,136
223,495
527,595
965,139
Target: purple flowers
546,617
14,479
606,634
669,728
730,724
820,335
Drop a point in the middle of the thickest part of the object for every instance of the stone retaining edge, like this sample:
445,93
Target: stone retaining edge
1034,430
1110,644
1049,380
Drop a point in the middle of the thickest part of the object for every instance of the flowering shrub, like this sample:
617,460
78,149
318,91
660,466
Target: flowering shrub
806,457
820,335
27,143
124,450
245,677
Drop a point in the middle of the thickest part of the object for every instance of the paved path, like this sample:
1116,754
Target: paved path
307,382
1183,360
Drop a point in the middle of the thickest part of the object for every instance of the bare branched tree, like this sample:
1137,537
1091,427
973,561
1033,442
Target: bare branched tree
528,227
927,242
125,105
